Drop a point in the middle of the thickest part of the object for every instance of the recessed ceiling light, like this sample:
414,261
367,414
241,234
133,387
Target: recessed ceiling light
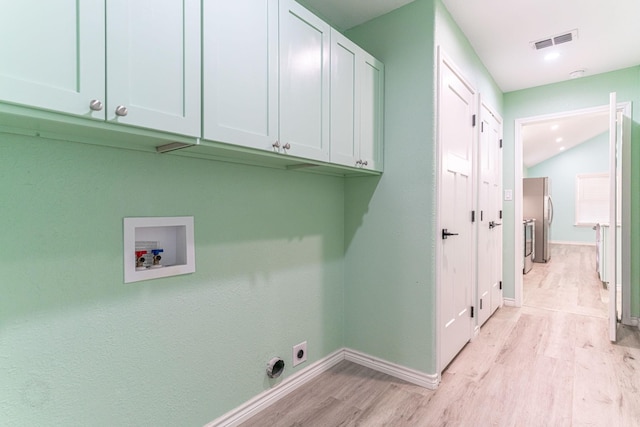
558,139
551,56
561,148
555,127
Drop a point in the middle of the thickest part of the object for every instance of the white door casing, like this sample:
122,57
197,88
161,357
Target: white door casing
612,249
456,117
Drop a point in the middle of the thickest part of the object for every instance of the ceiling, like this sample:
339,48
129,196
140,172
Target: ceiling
546,138
502,31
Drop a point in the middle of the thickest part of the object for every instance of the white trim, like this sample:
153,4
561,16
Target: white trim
517,194
268,397
429,381
631,321
561,242
510,302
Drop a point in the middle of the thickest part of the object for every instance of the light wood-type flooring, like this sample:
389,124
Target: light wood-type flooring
549,363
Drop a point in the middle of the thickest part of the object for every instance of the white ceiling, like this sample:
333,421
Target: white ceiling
501,32
540,140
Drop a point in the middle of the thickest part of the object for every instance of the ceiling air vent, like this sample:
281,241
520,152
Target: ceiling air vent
555,40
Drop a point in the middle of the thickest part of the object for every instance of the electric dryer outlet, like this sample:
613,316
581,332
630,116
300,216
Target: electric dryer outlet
299,353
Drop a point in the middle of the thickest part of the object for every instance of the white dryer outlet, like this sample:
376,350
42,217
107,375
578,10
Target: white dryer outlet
299,353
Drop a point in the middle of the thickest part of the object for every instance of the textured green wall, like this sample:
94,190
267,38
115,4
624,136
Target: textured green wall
390,255
390,282
571,95
589,157
79,347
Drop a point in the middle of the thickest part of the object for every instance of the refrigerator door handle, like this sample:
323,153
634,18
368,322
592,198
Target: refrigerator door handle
550,210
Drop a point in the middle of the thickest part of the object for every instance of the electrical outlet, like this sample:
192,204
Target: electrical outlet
299,353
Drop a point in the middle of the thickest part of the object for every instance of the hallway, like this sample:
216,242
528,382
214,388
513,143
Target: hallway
549,363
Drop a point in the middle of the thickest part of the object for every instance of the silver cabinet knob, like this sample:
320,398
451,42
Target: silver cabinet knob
121,111
95,105
286,146
365,163
276,144
359,163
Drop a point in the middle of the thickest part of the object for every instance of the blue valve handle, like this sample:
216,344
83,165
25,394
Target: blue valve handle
156,251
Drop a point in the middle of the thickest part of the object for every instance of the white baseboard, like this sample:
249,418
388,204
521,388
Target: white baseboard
560,242
252,407
429,381
509,302
268,397
631,321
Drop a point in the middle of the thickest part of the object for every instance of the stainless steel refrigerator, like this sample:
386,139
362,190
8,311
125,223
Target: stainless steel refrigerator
537,204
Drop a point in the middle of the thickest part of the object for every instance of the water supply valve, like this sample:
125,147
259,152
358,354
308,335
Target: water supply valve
140,260
157,257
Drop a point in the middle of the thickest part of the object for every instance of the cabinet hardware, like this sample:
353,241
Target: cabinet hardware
276,144
121,111
95,105
286,146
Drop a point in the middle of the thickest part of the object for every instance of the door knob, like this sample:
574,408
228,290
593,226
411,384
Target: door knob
493,224
445,233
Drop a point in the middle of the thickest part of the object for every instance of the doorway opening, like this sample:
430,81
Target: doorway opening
624,109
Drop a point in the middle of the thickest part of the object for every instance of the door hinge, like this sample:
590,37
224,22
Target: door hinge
471,311
473,120
480,303
501,284
500,214
473,216
481,126
501,143
481,215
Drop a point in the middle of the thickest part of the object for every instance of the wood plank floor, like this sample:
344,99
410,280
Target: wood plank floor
549,363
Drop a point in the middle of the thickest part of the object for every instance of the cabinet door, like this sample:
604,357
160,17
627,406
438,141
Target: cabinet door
153,64
371,75
240,77
345,102
52,54
304,82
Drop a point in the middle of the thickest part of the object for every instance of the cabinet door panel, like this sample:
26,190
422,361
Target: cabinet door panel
304,82
153,64
345,127
240,92
371,112
52,54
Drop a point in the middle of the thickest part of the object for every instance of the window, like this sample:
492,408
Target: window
592,199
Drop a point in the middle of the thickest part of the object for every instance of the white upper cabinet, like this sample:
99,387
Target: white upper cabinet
240,77
357,84
52,55
345,103
304,82
371,75
153,64
58,53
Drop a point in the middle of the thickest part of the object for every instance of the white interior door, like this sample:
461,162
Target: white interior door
490,206
612,241
456,109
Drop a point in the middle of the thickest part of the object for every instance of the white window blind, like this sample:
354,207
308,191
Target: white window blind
592,199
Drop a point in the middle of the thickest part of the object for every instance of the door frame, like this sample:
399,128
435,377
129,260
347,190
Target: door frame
625,109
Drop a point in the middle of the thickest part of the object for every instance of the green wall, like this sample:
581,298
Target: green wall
589,157
390,264
390,279
79,347
570,95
